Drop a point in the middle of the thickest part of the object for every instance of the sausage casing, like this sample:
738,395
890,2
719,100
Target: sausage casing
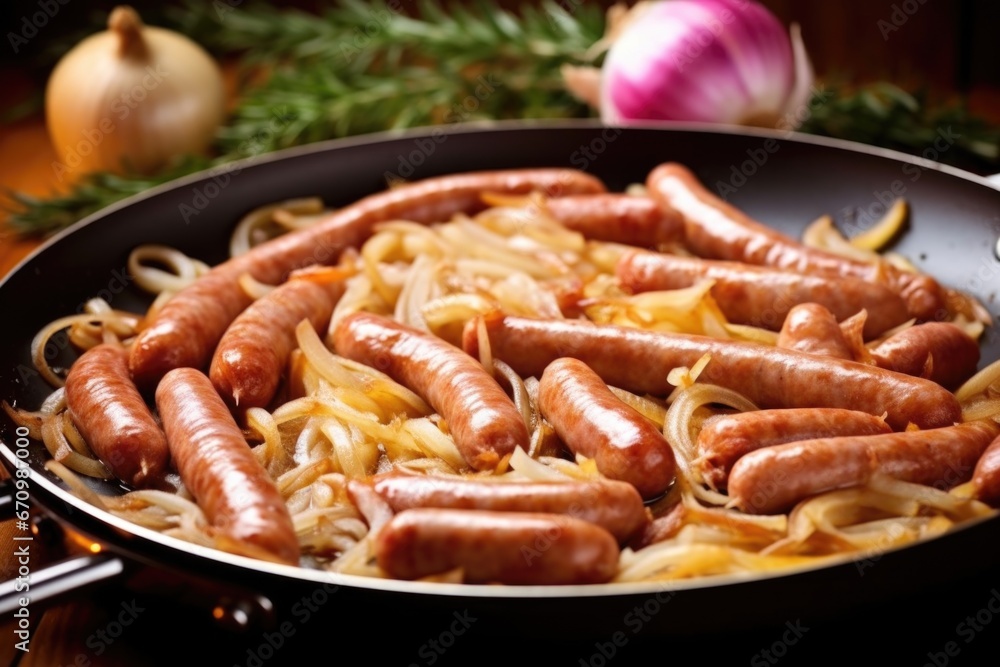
517,548
248,364
617,218
986,476
812,328
773,479
615,506
762,296
592,421
187,328
715,229
113,417
723,439
639,361
219,468
939,351
482,419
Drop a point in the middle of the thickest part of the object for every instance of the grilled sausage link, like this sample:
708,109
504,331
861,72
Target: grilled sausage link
773,479
592,421
939,351
762,296
615,506
812,328
518,548
986,476
639,361
717,230
725,438
187,328
251,357
481,417
113,418
219,468
617,218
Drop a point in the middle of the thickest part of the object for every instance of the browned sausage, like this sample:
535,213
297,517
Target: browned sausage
717,230
762,296
639,361
773,479
986,476
113,418
185,331
251,357
219,468
939,351
617,218
725,438
615,506
592,421
518,548
481,417
812,328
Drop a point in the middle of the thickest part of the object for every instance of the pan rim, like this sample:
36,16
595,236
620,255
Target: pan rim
464,590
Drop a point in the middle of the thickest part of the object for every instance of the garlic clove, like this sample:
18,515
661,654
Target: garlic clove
132,97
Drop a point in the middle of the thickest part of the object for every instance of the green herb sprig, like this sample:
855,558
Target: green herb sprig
362,67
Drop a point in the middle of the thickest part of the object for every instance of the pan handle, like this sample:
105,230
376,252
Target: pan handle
57,579
994,179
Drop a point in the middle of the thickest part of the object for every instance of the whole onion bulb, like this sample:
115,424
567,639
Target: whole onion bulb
132,97
713,61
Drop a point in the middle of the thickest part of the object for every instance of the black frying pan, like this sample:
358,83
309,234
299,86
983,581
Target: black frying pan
915,595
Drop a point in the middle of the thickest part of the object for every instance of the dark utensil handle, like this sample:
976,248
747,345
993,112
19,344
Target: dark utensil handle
58,579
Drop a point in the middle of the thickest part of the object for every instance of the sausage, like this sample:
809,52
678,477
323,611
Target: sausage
219,468
187,328
939,351
613,505
773,479
717,230
986,476
639,361
114,419
760,295
617,218
812,328
248,363
517,548
592,421
725,438
482,419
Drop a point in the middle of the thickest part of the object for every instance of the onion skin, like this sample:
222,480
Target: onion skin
713,61
131,98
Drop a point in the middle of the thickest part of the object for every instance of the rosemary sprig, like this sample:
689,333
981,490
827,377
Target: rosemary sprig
881,114
362,67
36,216
359,68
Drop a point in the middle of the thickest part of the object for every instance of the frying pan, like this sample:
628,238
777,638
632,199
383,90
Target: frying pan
907,600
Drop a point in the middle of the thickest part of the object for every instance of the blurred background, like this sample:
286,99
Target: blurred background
948,45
